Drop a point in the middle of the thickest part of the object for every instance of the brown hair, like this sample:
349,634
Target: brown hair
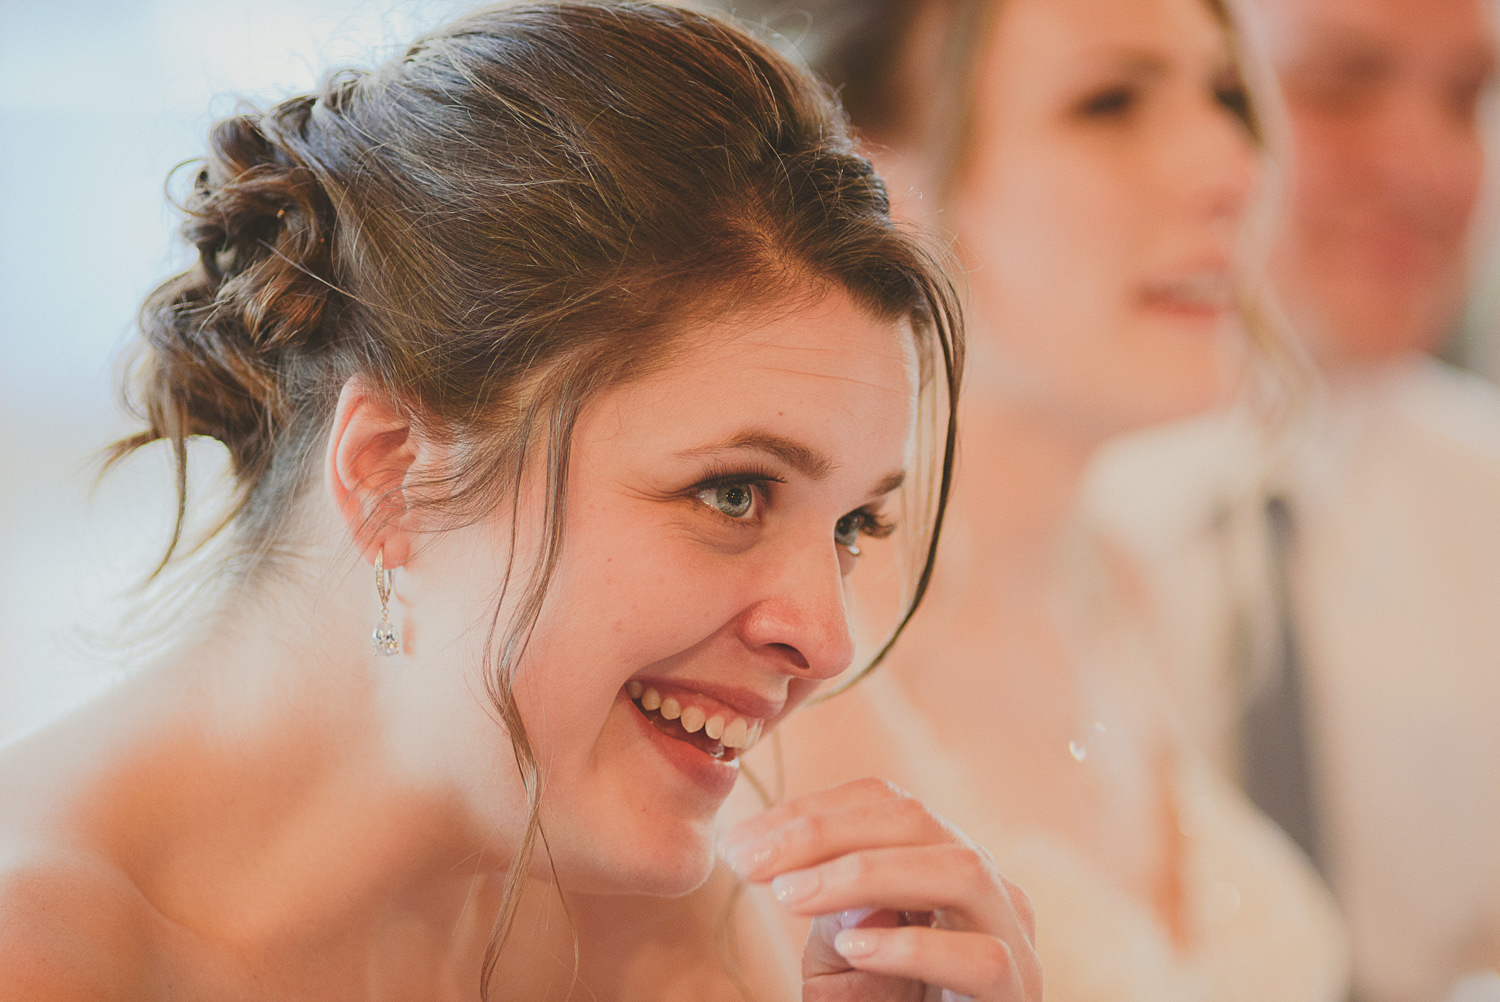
528,205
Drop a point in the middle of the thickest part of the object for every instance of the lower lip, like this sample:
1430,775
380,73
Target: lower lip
1196,312
714,776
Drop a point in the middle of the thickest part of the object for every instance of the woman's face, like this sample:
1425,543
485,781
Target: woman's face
712,515
1099,209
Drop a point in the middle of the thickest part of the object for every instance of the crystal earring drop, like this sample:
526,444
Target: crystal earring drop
385,639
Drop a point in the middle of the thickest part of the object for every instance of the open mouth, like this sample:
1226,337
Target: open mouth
717,733
1206,292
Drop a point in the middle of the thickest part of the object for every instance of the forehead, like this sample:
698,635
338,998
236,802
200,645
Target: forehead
821,334
1085,28
1398,26
806,359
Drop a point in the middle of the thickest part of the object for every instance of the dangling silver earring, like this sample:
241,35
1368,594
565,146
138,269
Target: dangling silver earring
385,639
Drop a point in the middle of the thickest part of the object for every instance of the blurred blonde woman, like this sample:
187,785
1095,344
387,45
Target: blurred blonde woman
1096,163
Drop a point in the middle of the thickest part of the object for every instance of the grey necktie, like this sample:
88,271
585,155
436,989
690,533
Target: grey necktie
1274,731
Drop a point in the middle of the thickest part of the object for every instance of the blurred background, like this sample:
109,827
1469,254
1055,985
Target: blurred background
99,100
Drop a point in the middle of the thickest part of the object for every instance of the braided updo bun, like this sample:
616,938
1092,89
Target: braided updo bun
220,338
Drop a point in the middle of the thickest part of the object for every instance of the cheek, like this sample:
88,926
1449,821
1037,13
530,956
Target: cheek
1464,177
631,590
1333,170
1047,243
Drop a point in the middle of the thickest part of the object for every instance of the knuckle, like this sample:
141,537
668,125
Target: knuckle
1031,978
998,961
973,865
851,870
808,829
1021,902
910,810
873,786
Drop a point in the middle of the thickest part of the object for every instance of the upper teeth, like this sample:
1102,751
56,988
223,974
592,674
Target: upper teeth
731,732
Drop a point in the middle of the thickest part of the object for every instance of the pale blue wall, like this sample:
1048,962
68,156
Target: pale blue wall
98,100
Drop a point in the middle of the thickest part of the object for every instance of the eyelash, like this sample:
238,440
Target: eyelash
870,524
757,480
1234,96
1119,101
1111,102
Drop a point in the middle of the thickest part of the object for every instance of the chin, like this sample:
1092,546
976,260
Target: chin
682,865
1359,321
1376,338
655,864
684,880
1166,405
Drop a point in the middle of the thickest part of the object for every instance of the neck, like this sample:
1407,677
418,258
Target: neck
633,947
1015,492
261,754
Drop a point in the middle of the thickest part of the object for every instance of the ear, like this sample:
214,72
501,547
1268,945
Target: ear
372,449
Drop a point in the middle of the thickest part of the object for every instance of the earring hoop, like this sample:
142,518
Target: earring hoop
385,640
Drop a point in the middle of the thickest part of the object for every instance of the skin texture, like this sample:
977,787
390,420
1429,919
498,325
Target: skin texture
270,812
657,585
1383,103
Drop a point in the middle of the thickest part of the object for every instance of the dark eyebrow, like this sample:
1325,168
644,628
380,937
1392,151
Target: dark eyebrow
807,461
1144,64
890,483
1128,60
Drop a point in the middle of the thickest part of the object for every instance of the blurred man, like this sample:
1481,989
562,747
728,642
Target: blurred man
1346,596
1383,99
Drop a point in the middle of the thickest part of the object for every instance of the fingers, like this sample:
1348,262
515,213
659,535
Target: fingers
976,928
1025,913
862,814
971,964
820,956
864,857
957,879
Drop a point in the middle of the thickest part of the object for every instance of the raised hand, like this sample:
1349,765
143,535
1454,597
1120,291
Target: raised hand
904,906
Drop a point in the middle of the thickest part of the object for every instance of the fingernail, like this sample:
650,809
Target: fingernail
745,859
855,943
796,886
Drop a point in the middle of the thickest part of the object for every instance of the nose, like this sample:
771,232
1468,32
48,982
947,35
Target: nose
1215,165
800,616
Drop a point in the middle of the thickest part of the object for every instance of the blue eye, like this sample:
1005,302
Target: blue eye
731,500
846,531
861,522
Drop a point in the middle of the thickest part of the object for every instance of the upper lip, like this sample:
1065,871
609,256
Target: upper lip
745,702
1209,265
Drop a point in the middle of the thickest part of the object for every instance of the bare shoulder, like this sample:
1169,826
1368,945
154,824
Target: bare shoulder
71,927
